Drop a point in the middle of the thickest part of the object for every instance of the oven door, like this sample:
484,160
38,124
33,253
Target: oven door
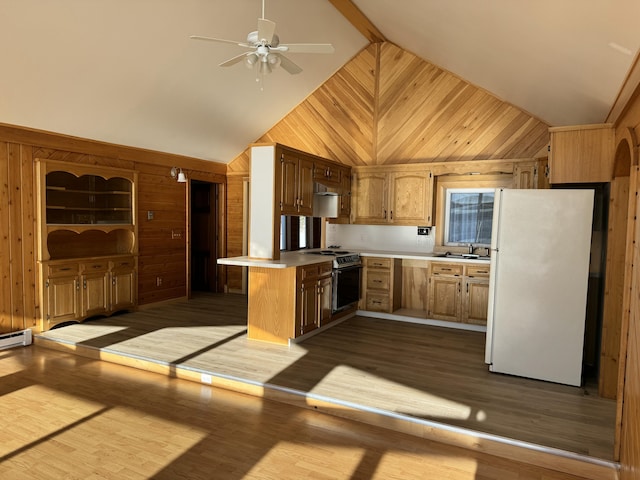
346,287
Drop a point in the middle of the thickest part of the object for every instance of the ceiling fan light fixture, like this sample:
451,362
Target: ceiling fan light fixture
250,60
264,67
274,60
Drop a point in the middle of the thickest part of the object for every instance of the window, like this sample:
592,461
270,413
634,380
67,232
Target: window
468,216
299,232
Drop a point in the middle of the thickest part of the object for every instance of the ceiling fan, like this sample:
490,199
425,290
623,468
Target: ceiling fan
265,51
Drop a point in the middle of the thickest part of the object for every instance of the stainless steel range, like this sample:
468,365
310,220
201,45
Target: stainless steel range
347,271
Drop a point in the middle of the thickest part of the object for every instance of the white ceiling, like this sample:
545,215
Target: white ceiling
125,71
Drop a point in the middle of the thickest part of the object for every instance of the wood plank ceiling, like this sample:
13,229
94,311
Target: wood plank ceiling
389,106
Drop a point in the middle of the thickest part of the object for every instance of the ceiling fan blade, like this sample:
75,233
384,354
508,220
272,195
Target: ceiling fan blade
234,60
288,65
266,29
221,40
307,48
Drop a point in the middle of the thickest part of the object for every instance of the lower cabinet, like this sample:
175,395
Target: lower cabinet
445,289
459,293
475,295
314,297
75,290
382,281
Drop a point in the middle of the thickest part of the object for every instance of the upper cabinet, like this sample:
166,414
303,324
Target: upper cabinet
85,211
533,174
296,192
581,154
401,195
282,183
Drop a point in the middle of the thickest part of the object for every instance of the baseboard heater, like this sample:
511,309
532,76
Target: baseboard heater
14,339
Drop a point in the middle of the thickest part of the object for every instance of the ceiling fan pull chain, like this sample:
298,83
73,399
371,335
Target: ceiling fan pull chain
263,9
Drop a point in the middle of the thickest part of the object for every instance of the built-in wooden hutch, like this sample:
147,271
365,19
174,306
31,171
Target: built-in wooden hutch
87,240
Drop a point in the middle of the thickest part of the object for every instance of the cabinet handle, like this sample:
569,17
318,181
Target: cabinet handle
65,269
84,284
385,213
391,214
113,282
77,284
467,288
446,269
377,281
97,266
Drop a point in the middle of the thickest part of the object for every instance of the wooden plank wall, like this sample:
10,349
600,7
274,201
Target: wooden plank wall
19,305
630,363
157,191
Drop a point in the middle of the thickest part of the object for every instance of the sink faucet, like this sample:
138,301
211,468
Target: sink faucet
471,248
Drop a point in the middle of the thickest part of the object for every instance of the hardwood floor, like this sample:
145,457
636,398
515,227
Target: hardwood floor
428,381
77,418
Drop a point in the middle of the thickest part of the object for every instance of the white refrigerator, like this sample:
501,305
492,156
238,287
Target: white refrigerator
540,245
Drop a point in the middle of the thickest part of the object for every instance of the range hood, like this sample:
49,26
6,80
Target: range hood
325,203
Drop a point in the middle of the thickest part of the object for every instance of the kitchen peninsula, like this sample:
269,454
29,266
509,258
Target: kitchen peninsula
290,298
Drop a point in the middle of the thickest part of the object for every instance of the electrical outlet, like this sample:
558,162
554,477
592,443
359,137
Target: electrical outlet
176,234
424,230
158,281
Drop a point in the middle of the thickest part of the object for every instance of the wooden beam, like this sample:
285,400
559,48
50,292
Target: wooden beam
355,16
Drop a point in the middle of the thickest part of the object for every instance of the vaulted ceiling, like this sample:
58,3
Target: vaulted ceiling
126,72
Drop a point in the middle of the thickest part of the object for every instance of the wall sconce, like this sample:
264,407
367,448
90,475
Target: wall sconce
178,175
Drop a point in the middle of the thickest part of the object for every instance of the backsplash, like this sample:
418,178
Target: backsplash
380,237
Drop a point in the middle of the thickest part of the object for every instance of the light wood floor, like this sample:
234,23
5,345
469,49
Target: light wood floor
430,374
70,417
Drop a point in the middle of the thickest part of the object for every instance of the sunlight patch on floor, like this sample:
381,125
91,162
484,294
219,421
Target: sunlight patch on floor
421,402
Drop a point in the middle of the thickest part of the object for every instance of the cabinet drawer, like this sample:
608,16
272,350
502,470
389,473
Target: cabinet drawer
62,270
377,302
308,271
373,262
446,269
125,263
95,267
378,280
478,271
325,269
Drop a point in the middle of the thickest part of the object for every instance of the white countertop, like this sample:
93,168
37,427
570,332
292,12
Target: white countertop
296,259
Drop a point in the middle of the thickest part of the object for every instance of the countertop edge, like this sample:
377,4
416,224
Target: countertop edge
295,259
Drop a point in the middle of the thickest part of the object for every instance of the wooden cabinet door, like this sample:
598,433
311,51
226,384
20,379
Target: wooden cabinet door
62,299
308,306
324,301
444,298
288,186
369,202
95,293
476,301
305,187
123,289
410,198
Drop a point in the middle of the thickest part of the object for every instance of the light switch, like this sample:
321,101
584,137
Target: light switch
150,214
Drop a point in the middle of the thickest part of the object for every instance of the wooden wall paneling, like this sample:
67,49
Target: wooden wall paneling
628,436
235,211
614,288
161,241
31,283
6,318
428,114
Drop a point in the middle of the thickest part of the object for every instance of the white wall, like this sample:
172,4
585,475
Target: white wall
380,237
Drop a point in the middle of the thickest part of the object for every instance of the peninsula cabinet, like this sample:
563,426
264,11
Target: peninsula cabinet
398,195
286,303
86,240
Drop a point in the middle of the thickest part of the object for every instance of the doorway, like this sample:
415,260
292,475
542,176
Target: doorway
204,241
